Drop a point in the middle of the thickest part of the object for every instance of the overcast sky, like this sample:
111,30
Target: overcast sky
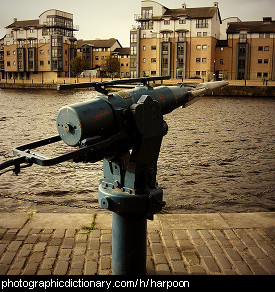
114,18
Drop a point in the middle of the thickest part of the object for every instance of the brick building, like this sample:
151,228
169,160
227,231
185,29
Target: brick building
196,43
249,50
40,49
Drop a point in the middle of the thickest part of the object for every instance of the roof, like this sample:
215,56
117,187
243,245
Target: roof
24,23
98,43
251,26
198,12
122,51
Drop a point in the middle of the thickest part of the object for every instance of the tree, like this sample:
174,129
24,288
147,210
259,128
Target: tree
78,65
111,66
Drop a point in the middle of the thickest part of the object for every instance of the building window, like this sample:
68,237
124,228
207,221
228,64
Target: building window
203,60
153,60
181,36
166,22
204,33
180,62
198,47
203,73
260,48
265,61
242,37
14,63
180,49
153,48
8,63
198,60
266,48
182,21
133,50
198,72
8,53
260,61
267,35
201,22
144,48
221,61
133,37
166,36
41,52
96,58
204,47
144,60
265,75
261,35
259,74
147,25
198,34
41,63
221,49
153,72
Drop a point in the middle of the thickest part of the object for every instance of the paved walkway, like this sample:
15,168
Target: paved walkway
212,244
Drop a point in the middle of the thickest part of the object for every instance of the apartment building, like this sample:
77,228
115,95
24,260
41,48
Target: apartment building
248,52
40,49
177,42
96,51
2,62
195,42
123,56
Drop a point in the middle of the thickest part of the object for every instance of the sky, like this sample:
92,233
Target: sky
106,19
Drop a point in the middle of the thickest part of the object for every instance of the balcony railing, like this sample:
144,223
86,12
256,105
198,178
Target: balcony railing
147,16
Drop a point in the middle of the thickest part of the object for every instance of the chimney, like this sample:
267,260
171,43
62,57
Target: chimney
183,6
267,19
15,19
216,4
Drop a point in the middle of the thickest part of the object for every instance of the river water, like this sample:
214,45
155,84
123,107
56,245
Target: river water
218,156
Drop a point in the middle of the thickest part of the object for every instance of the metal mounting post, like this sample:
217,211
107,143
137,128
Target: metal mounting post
129,189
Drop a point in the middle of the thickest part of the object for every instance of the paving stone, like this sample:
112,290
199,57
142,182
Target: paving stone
178,267
191,257
105,263
268,266
61,268
257,252
40,246
223,261
197,270
68,243
185,244
204,250
211,264
90,268
242,268
206,234
233,254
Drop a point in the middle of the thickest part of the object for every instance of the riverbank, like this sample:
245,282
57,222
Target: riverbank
250,88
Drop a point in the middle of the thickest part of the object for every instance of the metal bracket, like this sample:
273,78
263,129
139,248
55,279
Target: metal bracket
129,185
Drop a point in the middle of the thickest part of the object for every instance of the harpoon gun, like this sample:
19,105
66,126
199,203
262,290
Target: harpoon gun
103,126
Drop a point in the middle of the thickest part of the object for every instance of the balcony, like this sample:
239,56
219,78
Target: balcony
57,24
143,17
